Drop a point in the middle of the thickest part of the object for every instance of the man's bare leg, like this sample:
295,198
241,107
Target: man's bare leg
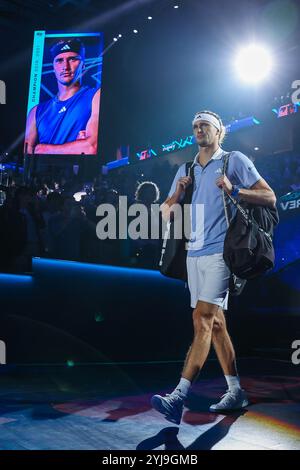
209,325
223,345
235,398
203,320
171,406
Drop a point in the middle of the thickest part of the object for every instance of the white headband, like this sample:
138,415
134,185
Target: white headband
209,118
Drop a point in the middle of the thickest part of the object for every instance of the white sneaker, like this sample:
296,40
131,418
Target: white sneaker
231,400
171,406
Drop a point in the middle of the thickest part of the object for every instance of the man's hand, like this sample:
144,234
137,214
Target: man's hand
41,149
182,184
81,135
223,183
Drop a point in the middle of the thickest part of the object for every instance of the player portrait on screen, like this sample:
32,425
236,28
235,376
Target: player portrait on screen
67,123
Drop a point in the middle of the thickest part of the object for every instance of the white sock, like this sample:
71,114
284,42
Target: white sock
183,387
233,382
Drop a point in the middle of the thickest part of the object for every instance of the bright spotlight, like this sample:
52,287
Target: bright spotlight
253,63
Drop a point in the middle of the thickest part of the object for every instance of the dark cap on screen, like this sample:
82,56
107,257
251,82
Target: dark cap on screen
71,45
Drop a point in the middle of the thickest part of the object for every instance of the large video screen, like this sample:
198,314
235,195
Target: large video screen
64,94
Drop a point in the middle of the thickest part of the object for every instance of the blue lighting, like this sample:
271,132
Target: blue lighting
117,163
75,265
70,35
12,278
178,144
10,166
241,124
182,143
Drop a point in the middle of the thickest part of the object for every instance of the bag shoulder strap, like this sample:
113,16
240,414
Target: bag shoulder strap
226,200
189,171
225,163
189,168
227,197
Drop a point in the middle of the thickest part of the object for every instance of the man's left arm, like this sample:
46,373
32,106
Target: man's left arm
86,145
260,193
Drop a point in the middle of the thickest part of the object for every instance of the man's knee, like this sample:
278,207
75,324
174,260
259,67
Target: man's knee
204,316
218,326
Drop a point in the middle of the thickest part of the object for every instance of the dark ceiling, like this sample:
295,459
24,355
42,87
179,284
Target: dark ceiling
154,82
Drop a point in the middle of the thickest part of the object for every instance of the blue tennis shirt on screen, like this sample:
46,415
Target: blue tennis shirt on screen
59,122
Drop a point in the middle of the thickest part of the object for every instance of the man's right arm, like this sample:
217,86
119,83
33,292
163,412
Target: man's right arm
166,207
31,134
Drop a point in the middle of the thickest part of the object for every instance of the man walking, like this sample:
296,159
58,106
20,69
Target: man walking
208,275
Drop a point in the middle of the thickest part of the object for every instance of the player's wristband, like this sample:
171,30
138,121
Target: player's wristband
235,191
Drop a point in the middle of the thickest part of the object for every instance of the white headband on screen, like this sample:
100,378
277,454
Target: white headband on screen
209,118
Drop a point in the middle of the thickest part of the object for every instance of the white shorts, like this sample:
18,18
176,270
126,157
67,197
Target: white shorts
208,279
